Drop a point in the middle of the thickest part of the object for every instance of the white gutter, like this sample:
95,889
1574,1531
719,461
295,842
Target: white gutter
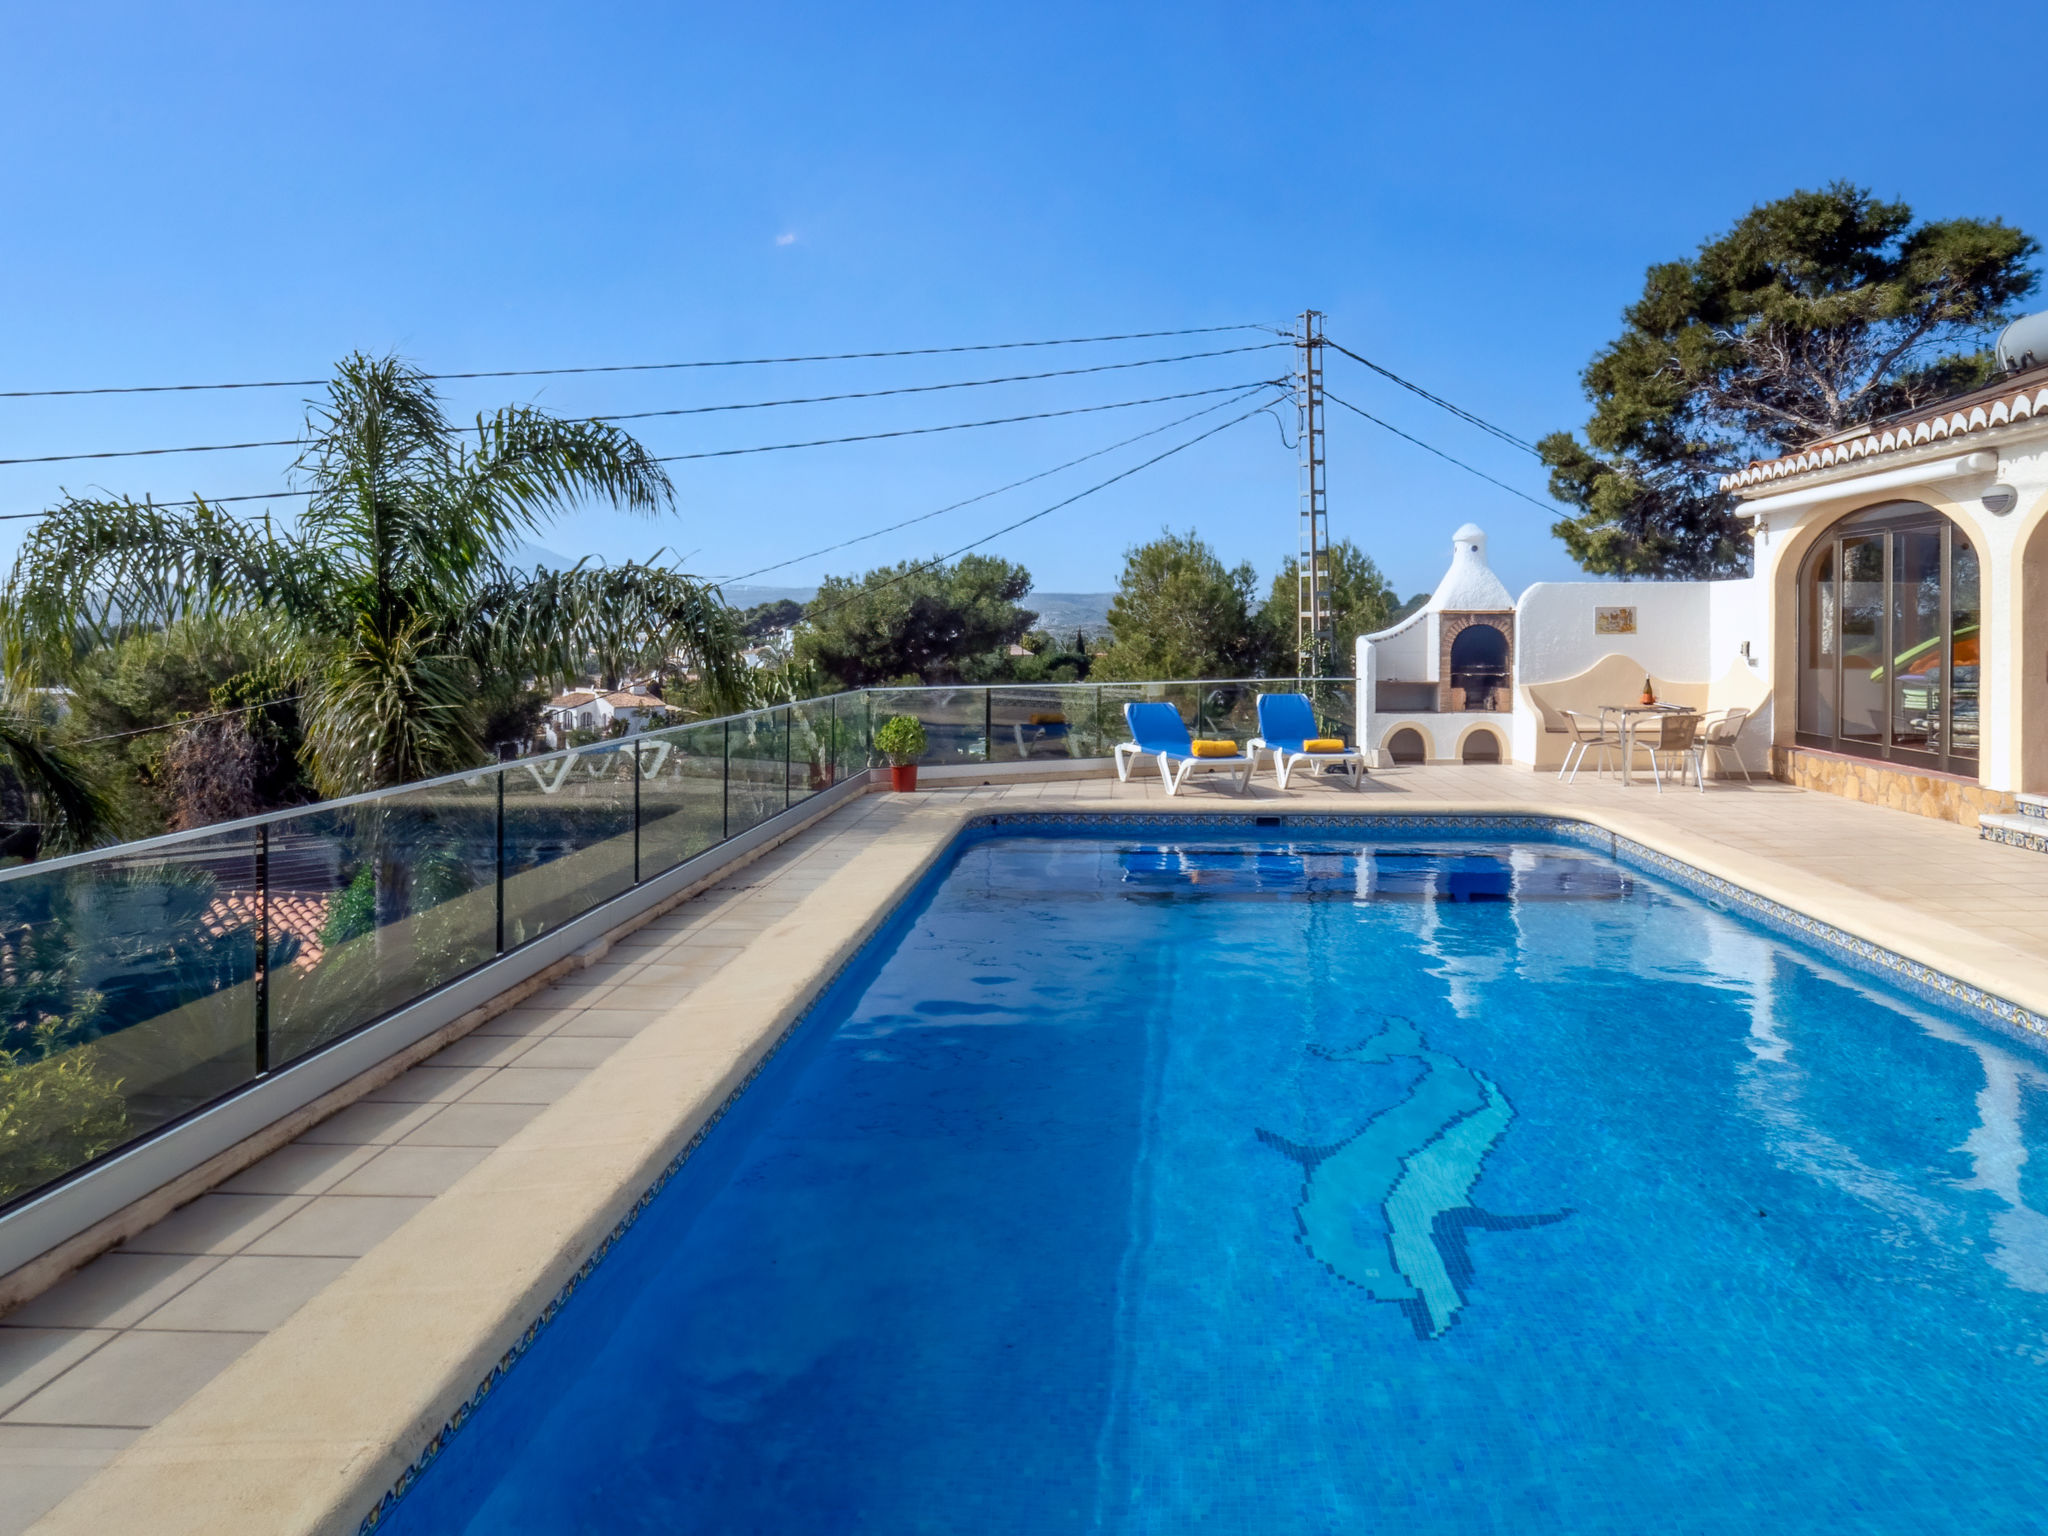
1979,463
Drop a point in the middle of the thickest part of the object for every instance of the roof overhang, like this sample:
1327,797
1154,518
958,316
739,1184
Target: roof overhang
1827,485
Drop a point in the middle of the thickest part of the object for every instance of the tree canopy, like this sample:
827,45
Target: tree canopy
1362,600
917,621
1813,313
1179,612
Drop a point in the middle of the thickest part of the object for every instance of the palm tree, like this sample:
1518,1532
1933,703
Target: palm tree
392,599
43,787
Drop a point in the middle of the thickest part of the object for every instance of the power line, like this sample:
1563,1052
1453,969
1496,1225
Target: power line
702,410
986,495
926,389
1437,400
856,596
1418,442
821,442
734,362
144,730
961,426
145,453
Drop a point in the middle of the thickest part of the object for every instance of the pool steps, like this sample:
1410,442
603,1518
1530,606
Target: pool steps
2025,828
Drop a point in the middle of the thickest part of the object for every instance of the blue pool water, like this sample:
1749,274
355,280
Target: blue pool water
1297,1186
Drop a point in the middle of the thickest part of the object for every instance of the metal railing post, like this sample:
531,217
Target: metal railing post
725,785
501,860
636,813
788,748
988,728
263,950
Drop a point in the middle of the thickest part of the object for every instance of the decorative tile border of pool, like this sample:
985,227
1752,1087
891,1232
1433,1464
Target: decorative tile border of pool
1922,979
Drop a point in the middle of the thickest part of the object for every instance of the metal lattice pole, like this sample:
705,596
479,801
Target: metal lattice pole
1315,637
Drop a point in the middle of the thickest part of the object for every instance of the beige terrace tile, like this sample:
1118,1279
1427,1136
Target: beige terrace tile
368,1124
301,1168
525,1085
473,1125
623,1022
479,1050
339,1226
215,1223
30,1358
524,1022
41,1464
575,1052
249,1294
426,1084
133,1380
113,1291
411,1170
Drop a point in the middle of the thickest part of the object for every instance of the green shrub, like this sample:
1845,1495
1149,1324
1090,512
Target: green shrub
901,739
354,912
56,1112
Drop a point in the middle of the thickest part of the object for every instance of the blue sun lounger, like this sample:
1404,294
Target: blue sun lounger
1286,721
1158,731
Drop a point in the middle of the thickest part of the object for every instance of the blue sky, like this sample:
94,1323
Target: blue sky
1471,193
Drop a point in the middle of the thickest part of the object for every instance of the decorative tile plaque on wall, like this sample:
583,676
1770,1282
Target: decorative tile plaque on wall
1614,621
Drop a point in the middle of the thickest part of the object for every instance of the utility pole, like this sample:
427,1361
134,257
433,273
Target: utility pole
1315,637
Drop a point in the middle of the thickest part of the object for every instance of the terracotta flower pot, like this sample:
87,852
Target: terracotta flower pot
903,776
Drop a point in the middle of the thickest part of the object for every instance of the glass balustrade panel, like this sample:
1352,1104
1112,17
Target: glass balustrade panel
130,999
374,905
568,836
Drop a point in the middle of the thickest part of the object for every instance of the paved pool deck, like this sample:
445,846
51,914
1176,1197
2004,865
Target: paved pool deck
271,1356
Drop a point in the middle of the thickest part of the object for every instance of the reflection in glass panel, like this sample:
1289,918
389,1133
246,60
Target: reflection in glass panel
1917,661
757,781
1817,650
854,718
954,723
1966,617
129,997
1864,687
815,747
1050,721
568,837
376,903
682,795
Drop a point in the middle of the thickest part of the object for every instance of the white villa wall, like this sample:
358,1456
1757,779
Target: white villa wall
1554,628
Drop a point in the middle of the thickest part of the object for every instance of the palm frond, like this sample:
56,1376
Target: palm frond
93,572
388,711
62,793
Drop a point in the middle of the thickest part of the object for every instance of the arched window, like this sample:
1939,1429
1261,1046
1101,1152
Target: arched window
1890,632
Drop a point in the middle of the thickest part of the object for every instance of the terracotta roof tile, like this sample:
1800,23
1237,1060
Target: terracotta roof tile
1959,418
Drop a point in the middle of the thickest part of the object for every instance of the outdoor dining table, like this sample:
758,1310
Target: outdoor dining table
1626,713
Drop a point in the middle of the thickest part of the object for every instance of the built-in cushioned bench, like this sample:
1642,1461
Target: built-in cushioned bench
1618,679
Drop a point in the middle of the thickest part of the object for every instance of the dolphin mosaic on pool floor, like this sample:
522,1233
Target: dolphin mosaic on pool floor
1415,1164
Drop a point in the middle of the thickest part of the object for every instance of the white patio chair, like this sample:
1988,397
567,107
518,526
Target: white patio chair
1666,737
1719,734
1590,733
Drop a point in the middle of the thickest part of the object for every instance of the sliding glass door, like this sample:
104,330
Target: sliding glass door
1889,618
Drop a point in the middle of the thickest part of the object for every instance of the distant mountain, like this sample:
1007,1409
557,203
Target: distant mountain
752,596
1061,613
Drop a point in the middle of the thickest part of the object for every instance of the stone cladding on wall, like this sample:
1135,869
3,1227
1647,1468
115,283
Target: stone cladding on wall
1939,795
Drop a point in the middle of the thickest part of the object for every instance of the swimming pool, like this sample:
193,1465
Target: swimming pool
1272,1182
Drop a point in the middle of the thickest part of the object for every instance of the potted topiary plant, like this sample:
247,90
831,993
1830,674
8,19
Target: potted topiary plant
901,740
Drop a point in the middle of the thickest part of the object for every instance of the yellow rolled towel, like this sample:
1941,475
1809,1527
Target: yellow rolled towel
1323,744
1048,719
1214,748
